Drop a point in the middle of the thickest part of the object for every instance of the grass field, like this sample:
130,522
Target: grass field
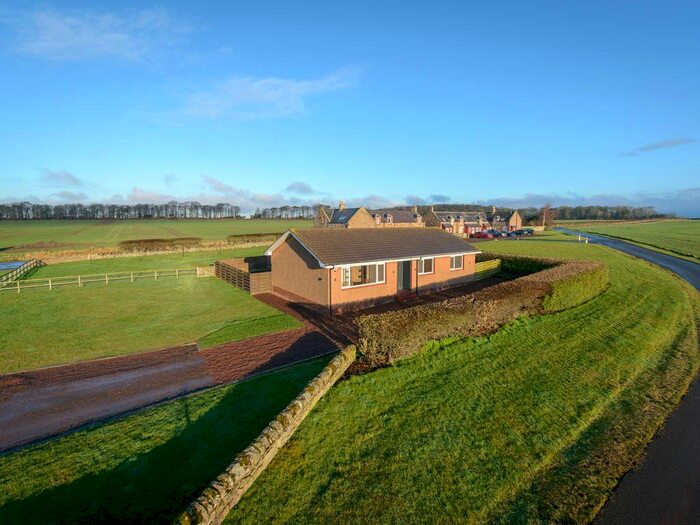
147,467
19,236
147,262
533,424
41,327
677,237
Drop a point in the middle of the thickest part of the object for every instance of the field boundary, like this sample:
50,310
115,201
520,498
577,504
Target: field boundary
222,494
18,272
106,278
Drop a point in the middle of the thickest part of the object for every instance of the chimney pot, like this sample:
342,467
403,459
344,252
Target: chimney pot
341,205
493,209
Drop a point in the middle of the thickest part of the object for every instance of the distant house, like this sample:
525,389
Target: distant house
398,218
342,217
339,269
469,222
507,220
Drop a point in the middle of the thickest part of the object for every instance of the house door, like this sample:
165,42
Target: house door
404,275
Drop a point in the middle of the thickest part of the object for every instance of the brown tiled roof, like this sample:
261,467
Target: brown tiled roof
358,245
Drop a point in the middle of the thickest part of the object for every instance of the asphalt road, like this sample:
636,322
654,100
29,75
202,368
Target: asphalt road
665,489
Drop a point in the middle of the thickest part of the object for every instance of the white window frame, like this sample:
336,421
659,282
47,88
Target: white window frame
453,265
343,269
421,266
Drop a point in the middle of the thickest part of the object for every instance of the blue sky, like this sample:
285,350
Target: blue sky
270,103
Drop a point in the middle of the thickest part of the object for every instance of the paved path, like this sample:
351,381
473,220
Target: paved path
665,489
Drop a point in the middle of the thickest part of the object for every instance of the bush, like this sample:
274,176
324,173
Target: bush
554,286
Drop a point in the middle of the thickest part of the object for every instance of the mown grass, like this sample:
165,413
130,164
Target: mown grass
41,328
533,424
677,237
145,467
147,262
74,234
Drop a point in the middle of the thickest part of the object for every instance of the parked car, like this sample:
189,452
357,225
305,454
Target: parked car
512,234
521,232
529,231
482,235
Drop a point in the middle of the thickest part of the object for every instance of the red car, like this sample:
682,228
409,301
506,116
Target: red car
482,235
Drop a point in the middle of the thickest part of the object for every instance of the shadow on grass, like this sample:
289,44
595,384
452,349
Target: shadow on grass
157,485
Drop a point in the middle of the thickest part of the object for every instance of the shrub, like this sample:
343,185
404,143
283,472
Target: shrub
554,286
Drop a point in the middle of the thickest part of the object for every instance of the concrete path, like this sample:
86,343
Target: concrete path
665,489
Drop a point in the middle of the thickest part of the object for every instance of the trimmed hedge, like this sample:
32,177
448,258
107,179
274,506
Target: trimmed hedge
555,285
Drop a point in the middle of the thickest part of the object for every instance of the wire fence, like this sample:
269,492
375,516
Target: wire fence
104,278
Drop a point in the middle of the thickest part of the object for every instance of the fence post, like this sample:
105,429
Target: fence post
50,288
177,273
155,275
132,277
18,287
79,283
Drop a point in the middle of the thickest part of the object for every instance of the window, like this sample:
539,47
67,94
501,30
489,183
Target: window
363,275
425,266
456,262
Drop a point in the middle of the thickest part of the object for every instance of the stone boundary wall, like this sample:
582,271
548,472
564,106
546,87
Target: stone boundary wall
222,494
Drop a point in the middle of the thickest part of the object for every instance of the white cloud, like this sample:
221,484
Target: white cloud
250,98
70,196
300,187
61,178
73,35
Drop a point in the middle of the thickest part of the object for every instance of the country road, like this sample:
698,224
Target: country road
665,489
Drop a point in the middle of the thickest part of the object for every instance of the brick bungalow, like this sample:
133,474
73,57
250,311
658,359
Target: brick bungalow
335,270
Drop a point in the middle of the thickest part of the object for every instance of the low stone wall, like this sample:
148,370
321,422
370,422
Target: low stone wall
222,494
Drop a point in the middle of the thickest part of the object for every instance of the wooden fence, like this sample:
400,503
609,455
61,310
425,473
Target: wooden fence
104,278
234,272
18,272
487,268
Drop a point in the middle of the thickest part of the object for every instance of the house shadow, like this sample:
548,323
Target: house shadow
155,486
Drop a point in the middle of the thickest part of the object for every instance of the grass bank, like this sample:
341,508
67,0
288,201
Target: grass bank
533,424
146,467
41,328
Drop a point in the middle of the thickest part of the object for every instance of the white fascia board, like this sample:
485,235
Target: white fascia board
415,258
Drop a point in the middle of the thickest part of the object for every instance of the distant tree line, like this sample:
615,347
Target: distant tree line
288,212
170,210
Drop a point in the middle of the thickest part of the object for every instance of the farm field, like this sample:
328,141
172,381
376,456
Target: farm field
674,237
535,423
41,328
19,236
145,467
146,262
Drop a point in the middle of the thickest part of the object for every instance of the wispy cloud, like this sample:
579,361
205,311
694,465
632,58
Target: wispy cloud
664,144
435,198
70,196
301,188
60,178
71,35
170,179
250,97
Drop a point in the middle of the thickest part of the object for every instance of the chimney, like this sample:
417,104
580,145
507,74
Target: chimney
415,209
341,205
431,208
493,209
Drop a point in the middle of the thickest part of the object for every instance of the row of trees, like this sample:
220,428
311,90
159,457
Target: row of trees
288,212
174,210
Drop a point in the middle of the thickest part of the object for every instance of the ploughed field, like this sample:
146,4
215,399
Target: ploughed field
39,327
675,237
145,467
535,423
21,236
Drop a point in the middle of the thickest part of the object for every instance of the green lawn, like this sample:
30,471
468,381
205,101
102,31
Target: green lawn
79,234
534,424
677,237
146,467
147,262
41,327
